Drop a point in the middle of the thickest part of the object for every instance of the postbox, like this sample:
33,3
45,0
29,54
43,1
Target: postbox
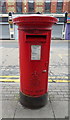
34,52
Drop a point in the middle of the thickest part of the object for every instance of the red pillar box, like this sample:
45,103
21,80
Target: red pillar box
34,50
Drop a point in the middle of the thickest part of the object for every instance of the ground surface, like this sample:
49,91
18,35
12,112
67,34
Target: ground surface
58,95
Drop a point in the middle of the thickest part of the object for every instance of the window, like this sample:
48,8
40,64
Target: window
31,6
2,7
3,19
59,6
19,6
47,6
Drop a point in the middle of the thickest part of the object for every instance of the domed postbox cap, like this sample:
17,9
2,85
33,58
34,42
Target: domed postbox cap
35,21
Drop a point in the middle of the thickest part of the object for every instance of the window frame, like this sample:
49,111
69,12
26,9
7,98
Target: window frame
18,6
47,3
33,6
3,7
58,10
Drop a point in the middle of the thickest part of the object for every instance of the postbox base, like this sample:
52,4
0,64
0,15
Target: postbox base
33,102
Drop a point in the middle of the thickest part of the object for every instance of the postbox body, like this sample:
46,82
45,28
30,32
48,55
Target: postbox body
34,62
34,51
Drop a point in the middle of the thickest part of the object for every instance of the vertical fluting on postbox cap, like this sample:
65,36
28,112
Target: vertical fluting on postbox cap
34,53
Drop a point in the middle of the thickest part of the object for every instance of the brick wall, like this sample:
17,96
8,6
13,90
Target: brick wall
65,6
24,6
38,6
69,6
11,6
53,6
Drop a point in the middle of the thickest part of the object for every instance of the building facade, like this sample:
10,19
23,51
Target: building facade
34,6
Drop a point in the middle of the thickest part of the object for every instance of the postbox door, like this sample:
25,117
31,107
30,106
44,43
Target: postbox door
39,68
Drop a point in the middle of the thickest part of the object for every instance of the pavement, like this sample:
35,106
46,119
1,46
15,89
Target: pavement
58,104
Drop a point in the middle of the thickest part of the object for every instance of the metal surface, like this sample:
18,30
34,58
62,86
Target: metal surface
34,31
67,33
4,30
57,31
33,102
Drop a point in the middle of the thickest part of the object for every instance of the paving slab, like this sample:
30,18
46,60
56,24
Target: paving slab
69,108
60,108
10,56
0,101
0,110
44,112
55,108
8,109
35,119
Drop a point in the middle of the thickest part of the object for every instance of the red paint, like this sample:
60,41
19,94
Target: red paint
34,30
